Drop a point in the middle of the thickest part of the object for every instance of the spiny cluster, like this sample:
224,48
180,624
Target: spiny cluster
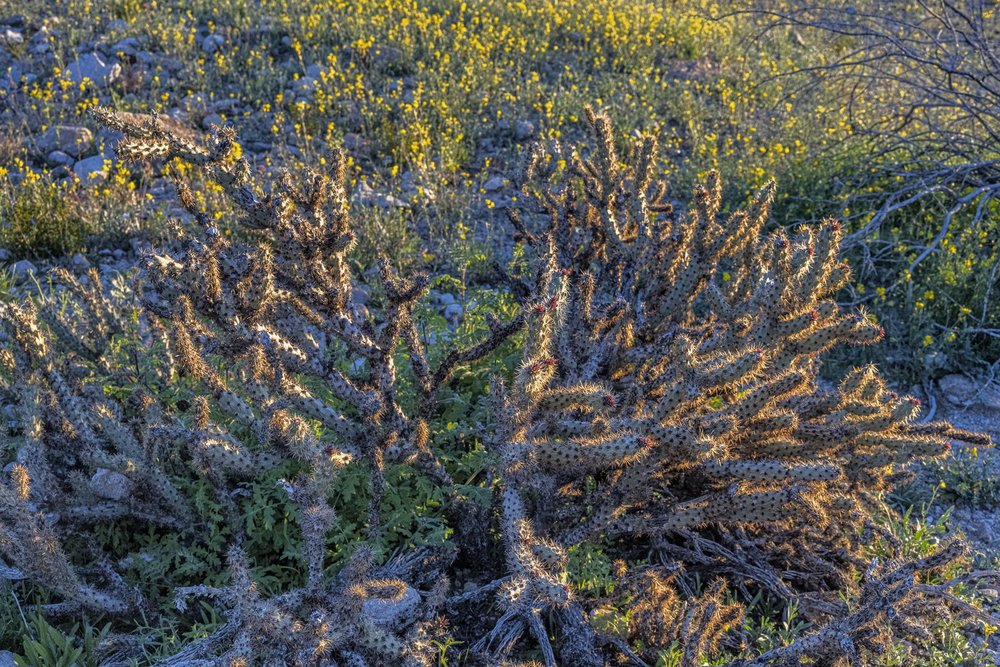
670,392
263,330
668,407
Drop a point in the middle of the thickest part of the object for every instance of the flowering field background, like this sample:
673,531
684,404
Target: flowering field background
437,104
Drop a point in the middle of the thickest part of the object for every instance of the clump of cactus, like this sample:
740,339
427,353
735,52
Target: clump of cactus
668,409
669,402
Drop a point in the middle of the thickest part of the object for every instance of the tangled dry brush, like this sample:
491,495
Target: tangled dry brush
667,409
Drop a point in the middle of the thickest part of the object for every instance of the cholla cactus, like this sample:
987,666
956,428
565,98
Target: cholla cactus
669,397
80,456
284,311
280,314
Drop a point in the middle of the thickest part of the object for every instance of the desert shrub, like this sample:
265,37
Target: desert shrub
921,81
243,429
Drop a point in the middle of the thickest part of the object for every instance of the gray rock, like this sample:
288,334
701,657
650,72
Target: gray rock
213,43
524,130
446,299
39,44
494,184
392,613
128,46
14,21
7,659
228,105
73,140
102,72
4,254
212,119
315,70
109,484
966,392
79,263
387,55
353,141
91,170
10,37
58,159
366,196
23,271
453,313
304,86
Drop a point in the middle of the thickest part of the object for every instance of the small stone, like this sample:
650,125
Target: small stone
524,130
91,170
11,37
128,46
94,67
392,613
494,184
109,484
966,392
23,271
304,86
79,263
366,196
387,55
353,141
212,119
7,659
212,43
73,140
58,159
453,313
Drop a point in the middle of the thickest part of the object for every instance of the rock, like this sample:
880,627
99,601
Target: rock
228,105
116,25
387,55
524,130
494,184
91,170
10,37
73,140
353,141
213,43
212,119
15,21
366,196
127,47
58,159
4,254
79,263
23,271
94,67
392,611
966,392
109,484
453,313
446,299
304,86
7,659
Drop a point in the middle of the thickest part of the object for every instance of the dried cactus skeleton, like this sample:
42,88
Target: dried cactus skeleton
668,407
